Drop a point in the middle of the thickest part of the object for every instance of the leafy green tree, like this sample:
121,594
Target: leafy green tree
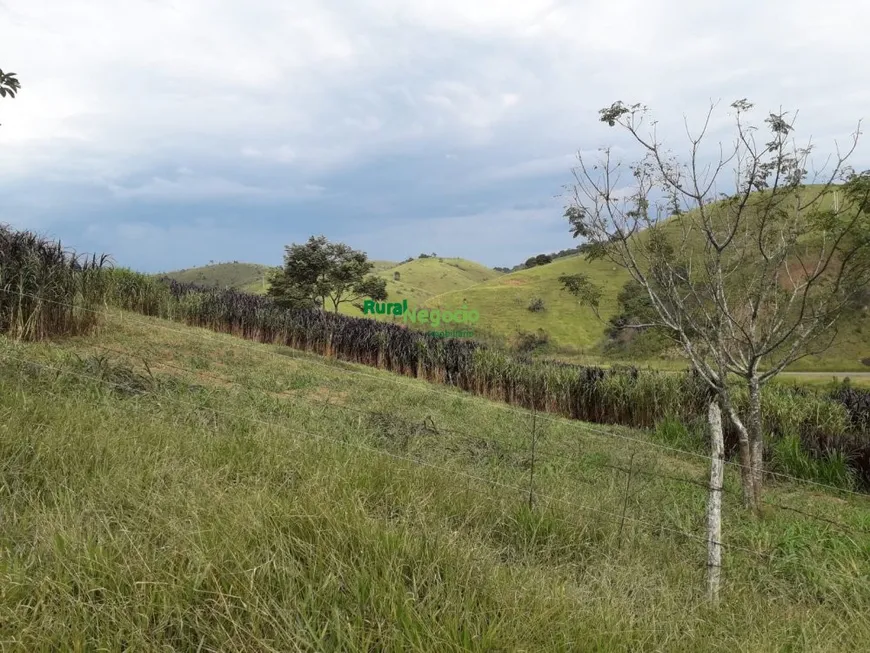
320,271
9,84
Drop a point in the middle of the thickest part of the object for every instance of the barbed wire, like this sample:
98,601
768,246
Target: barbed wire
440,428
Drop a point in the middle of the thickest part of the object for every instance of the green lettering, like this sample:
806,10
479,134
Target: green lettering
423,316
368,306
435,317
473,316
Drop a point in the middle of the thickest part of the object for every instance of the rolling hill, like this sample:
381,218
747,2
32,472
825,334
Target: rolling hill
561,327
502,300
417,280
421,279
250,277
503,304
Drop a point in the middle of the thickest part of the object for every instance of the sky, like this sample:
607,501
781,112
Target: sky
173,133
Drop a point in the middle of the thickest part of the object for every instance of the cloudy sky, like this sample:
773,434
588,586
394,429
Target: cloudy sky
173,132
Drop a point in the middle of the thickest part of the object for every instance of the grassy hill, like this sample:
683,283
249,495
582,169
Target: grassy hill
166,487
503,303
423,278
563,328
249,277
574,333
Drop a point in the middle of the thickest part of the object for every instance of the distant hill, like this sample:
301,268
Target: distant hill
249,277
380,266
560,326
418,279
503,303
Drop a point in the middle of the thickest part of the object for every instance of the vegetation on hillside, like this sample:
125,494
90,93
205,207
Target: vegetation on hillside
628,397
171,488
572,331
248,277
543,259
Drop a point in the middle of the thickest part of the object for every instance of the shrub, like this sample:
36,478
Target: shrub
536,305
527,341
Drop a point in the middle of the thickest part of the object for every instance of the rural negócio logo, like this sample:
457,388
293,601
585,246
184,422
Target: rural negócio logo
431,316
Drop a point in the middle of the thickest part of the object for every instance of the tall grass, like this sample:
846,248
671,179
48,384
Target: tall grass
46,290
828,423
117,504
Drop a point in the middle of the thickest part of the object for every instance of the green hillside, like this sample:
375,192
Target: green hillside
503,303
249,277
574,333
424,278
563,327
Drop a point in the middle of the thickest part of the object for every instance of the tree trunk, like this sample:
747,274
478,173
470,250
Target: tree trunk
714,501
750,496
756,435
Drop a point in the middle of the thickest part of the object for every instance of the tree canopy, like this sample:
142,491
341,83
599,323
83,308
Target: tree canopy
9,84
319,270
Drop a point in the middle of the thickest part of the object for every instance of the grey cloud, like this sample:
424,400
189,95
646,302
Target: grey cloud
267,100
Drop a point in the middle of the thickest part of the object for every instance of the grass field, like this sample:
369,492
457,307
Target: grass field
171,488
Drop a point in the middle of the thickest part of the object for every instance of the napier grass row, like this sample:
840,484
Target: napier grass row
827,425
46,290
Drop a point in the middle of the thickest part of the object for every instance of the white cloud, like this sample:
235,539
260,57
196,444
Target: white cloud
105,81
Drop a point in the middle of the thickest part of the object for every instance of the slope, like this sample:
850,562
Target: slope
249,277
426,277
172,488
574,331
503,303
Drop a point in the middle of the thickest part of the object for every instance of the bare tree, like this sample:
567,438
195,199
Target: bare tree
746,282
